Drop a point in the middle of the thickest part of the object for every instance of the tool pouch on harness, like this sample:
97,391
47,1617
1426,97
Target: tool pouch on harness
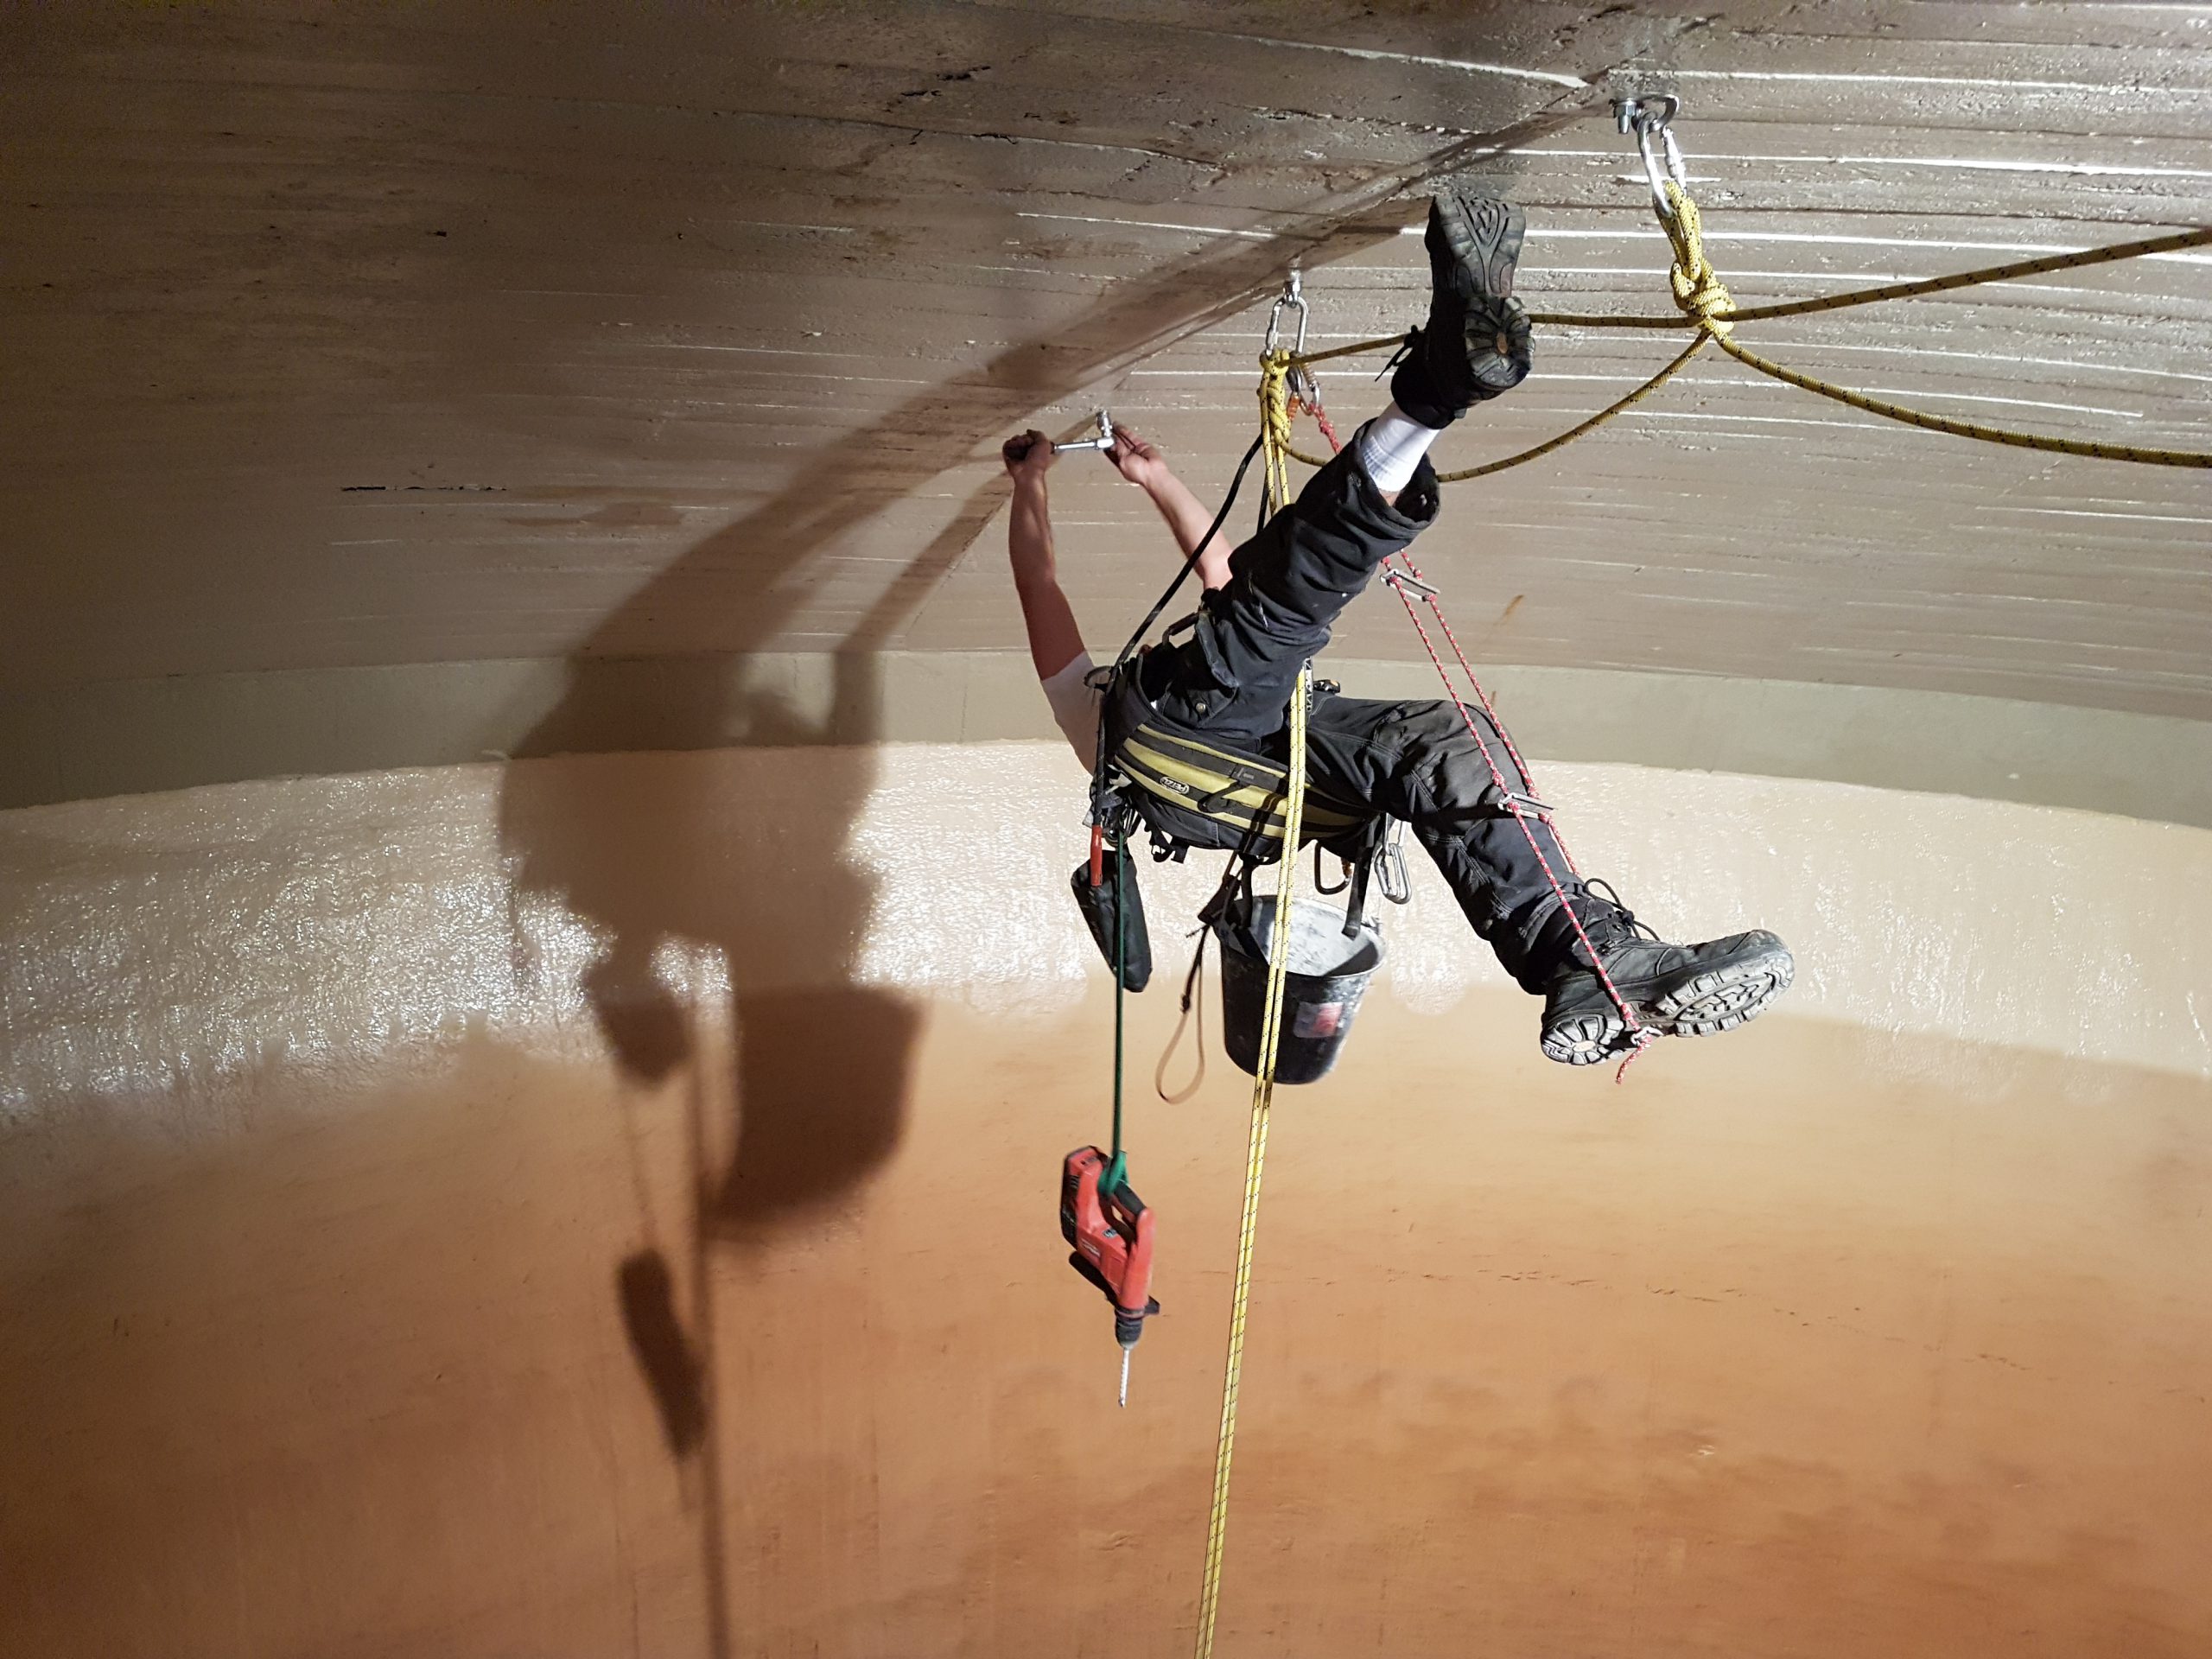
1097,901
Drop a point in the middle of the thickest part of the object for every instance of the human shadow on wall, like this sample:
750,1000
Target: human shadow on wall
649,850
675,1368
637,845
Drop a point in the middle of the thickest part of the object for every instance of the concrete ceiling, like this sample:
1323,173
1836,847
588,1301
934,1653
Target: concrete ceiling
345,336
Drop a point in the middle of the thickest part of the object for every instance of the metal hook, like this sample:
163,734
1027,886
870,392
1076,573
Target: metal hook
1652,116
1293,294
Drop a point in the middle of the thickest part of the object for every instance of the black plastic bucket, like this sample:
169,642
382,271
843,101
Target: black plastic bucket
1329,972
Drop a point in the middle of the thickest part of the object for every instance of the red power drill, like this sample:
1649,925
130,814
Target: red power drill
1109,1233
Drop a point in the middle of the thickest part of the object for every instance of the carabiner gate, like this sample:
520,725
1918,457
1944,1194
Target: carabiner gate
1293,294
1649,118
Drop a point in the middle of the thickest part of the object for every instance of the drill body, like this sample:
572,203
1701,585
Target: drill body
1109,1233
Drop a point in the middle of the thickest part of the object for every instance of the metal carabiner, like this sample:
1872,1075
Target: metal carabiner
1648,117
1390,875
1295,294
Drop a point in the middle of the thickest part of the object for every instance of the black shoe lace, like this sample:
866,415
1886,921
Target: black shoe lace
1624,915
1405,350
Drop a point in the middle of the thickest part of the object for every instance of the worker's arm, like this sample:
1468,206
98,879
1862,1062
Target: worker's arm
1143,465
1054,639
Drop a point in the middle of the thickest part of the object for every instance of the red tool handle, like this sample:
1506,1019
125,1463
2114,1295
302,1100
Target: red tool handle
1110,1232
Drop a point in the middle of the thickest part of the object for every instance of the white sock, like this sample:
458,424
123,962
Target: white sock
1391,446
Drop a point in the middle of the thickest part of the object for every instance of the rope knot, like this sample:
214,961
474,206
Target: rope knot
1274,396
1274,426
1699,290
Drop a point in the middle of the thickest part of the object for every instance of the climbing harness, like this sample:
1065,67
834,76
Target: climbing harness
1211,798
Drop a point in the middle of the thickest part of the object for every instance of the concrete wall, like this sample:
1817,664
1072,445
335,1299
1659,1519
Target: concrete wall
426,345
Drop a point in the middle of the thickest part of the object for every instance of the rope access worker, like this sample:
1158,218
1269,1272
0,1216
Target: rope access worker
1268,610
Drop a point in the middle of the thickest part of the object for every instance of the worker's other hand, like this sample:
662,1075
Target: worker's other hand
1028,457
1134,458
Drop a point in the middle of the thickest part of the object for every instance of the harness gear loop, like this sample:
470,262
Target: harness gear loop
1263,1085
1194,1002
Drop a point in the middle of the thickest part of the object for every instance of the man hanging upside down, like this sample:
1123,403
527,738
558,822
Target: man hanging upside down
1268,610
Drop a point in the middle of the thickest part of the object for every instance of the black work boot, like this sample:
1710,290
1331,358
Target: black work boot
1677,990
1475,344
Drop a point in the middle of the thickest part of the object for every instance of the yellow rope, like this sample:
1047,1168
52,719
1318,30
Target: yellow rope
1921,417
1256,1157
1700,295
1274,423
2174,243
1274,403
2104,255
1706,306
1589,425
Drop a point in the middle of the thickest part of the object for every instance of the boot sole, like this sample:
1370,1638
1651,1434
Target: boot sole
1484,235
1585,1039
1725,998
1719,999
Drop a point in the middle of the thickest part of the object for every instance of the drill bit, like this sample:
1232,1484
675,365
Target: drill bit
1127,1349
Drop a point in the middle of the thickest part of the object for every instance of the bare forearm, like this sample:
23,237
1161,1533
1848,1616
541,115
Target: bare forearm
1188,520
1054,639
1029,533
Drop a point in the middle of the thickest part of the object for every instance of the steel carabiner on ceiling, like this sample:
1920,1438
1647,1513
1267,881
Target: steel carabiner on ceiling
1649,118
1302,385
1293,294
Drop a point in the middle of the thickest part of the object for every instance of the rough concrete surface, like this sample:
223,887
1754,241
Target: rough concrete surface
359,338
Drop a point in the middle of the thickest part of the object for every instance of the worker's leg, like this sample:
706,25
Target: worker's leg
1289,583
1418,761
1233,676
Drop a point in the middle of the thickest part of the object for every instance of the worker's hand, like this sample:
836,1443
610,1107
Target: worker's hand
1134,458
1028,457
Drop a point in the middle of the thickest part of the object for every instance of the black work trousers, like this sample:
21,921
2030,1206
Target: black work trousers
1233,678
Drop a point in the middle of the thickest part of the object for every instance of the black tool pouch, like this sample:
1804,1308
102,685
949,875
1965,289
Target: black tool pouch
1096,903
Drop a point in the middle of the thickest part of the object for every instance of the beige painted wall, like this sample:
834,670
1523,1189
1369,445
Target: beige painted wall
131,736
604,1205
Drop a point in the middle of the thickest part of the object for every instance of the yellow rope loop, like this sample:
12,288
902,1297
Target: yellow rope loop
1699,341
1698,288
1274,396
1274,424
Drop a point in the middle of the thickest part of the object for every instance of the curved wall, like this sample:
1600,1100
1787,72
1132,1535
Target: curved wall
603,1204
